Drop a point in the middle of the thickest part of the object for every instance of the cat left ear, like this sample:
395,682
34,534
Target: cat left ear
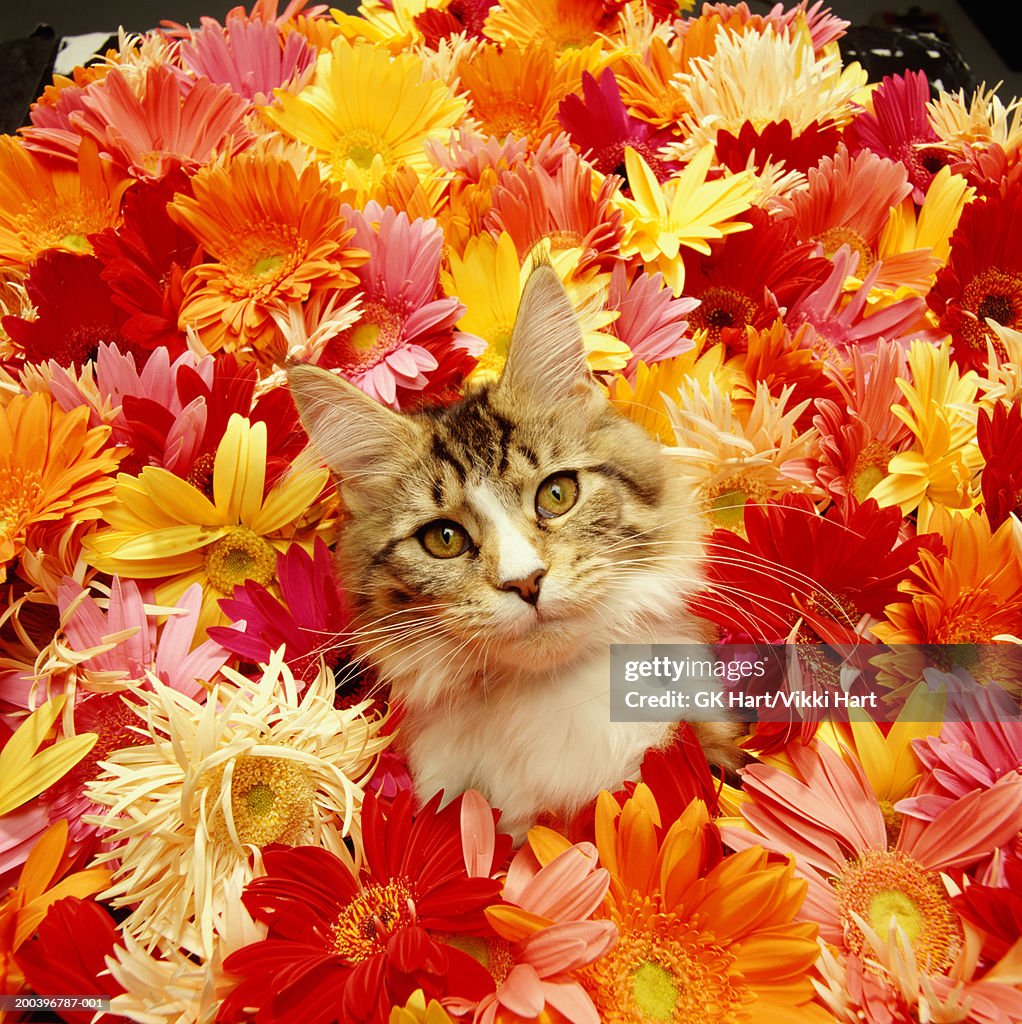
547,356
352,433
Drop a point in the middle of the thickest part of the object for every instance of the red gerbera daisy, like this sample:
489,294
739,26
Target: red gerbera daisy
310,621
775,143
899,128
999,436
75,311
458,16
982,279
602,128
346,947
825,572
748,277
144,261
995,910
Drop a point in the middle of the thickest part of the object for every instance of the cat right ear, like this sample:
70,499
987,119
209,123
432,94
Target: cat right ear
352,432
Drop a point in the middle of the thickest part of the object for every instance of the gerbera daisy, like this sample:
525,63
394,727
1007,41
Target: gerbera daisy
999,437
940,467
565,209
255,765
861,870
749,277
309,624
75,311
692,924
44,881
153,124
55,474
346,945
250,56
968,594
54,207
898,127
144,262
489,281
603,129
275,236
516,90
359,143
775,144
544,933
647,80
996,910
764,77
687,211
736,457
820,577
404,329
982,279
162,528
562,25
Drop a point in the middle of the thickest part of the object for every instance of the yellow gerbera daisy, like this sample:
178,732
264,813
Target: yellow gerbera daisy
274,235
489,280
686,211
161,527
941,465
253,765
367,113
692,935
54,476
391,25
54,208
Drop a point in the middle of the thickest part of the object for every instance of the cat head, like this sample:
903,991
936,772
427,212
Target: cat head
520,528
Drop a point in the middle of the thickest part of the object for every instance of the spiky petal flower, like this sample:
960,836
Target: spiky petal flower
255,764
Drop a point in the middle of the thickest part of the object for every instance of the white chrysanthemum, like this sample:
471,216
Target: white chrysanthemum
734,458
760,78
256,764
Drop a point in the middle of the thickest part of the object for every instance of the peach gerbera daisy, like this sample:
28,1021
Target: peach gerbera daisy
55,474
696,929
367,113
275,235
54,207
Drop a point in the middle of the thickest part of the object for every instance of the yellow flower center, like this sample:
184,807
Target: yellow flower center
509,115
869,469
662,970
368,921
720,308
963,628
882,886
725,502
271,801
241,555
258,261
76,242
67,226
377,333
493,953
359,146
833,238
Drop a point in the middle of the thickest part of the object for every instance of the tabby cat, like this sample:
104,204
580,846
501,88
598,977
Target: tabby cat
495,549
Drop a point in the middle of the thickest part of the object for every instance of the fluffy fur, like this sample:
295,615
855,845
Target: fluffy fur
505,690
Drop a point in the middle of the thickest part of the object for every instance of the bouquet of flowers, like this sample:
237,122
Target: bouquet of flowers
808,285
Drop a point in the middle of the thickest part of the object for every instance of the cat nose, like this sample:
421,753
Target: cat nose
527,587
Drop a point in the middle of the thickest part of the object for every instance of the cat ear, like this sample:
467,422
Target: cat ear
546,357
352,433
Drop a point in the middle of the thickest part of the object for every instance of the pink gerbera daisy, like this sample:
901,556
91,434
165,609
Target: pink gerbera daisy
404,331
651,321
899,128
865,864
834,327
250,56
601,127
309,623
166,123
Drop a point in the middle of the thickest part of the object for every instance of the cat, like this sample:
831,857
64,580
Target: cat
495,549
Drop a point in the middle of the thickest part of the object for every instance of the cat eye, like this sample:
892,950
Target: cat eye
556,495
444,538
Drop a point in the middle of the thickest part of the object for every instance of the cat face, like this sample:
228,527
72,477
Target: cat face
510,533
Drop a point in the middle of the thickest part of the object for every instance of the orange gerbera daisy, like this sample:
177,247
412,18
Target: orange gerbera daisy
44,206
275,235
970,595
696,929
54,474
562,24
516,90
